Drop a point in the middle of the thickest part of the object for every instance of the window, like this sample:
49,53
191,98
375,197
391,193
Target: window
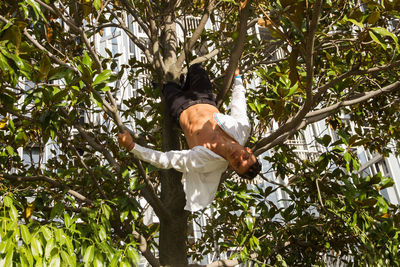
191,23
32,155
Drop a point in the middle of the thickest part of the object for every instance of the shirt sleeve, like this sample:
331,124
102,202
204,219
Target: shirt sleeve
238,103
180,160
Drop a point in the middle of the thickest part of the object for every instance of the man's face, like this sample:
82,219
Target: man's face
240,158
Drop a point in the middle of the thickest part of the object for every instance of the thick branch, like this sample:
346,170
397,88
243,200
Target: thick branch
144,249
365,96
310,49
308,104
318,115
236,52
48,180
149,193
205,57
138,19
321,90
197,33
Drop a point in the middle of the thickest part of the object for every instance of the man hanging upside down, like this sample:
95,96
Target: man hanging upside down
215,140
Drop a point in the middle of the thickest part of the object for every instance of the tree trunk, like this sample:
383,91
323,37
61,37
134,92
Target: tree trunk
172,230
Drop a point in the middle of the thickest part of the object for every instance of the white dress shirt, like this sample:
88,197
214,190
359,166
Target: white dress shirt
201,167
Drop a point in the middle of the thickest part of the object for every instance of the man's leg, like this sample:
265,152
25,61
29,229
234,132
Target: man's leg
197,79
174,98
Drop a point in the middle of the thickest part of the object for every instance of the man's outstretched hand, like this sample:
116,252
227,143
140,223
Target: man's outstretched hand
125,140
237,72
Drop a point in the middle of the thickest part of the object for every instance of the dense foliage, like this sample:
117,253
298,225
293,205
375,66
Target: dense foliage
77,198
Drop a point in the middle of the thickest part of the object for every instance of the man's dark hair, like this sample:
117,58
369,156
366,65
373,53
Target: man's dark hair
252,171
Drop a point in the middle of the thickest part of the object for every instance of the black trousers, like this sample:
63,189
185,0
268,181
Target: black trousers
196,90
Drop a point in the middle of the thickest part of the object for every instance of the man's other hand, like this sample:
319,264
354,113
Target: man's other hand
125,140
237,72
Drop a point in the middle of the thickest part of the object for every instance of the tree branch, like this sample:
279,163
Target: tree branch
197,33
205,57
322,89
40,47
318,115
223,263
48,180
364,97
149,193
91,173
236,53
144,249
132,37
294,122
138,19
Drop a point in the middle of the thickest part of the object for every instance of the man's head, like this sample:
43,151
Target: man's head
243,161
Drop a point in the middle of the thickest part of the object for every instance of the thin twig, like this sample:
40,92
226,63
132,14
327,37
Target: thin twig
48,180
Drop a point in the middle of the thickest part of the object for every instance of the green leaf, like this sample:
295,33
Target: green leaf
21,138
293,89
13,213
46,233
28,255
36,247
26,236
123,215
23,260
384,32
125,263
49,247
59,73
249,222
386,182
376,39
87,61
67,220
106,210
102,233
97,4
68,259
133,256
347,157
57,210
37,9
89,254
115,259
60,237
60,96
374,17
8,202
6,245
98,260
8,260
44,66
11,151
55,261
97,99
102,77
358,24
15,36
68,242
